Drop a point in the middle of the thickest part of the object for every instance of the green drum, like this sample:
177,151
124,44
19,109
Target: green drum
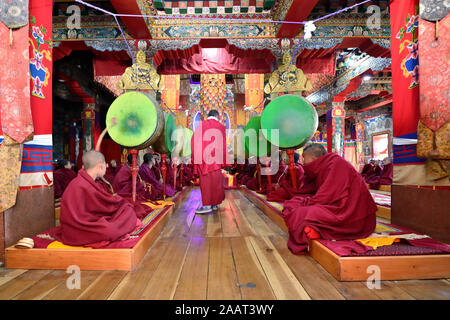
187,142
294,117
134,120
165,142
251,131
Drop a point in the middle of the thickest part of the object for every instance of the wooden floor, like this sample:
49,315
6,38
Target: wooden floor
237,253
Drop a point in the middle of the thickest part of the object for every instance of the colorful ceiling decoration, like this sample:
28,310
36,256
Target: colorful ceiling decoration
200,7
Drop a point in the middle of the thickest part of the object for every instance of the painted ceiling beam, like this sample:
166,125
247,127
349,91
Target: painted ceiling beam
136,26
299,10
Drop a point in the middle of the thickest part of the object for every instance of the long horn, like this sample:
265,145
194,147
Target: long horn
102,135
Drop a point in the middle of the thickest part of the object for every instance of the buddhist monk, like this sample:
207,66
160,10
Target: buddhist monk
112,170
333,204
246,172
209,156
89,214
62,177
148,175
282,188
385,178
122,184
373,175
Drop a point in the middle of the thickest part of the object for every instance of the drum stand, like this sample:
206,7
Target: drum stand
134,172
292,168
163,172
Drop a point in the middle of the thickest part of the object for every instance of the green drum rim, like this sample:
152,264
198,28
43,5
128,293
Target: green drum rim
187,143
294,117
255,124
136,117
169,128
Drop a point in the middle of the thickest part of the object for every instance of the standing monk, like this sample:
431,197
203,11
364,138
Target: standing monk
89,213
333,204
208,145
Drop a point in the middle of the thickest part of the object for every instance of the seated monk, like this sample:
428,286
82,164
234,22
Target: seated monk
148,175
89,213
373,175
62,177
385,178
112,170
122,184
367,168
246,173
333,203
253,183
282,188
188,175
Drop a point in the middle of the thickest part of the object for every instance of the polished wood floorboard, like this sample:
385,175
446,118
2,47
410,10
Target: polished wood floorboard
235,253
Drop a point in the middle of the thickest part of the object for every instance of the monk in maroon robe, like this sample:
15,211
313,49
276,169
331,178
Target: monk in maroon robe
246,173
112,170
253,183
385,177
282,188
333,204
89,213
62,177
209,156
373,175
148,175
122,184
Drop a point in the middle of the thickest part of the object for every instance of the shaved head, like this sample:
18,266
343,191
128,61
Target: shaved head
312,152
92,158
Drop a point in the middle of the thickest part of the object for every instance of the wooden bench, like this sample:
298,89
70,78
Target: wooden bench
91,259
435,266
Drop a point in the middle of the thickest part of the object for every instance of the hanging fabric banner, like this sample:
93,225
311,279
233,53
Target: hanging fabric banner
213,91
254,90
405,78
171,92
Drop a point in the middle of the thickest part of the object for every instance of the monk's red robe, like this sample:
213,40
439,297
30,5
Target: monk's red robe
187,177
285,191
373,175
246,174
387,174
148,175
366,169
61,179
334,201
122,185
253,184
207,164
89,214
111,173
384,179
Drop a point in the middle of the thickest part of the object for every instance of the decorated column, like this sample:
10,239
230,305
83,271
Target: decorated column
88,122
338,125
360,142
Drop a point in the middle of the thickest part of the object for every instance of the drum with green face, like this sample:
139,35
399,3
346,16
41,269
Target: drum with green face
165,142
187,142
293,117
254,141
134,120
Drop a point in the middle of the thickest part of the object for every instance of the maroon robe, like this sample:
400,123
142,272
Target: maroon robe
61,179
384,179
334,201
148,175
187,177
373,175
210,169
122,185
253,184
286,191
246,174
111,173
89,214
